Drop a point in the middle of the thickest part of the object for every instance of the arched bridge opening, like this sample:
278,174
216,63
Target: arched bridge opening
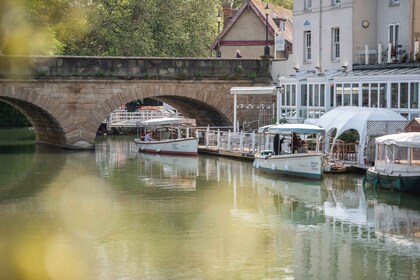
46,127
204,114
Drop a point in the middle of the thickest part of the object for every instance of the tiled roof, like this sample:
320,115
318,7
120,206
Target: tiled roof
258,7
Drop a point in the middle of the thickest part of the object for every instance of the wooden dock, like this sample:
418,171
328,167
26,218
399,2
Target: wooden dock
349,167
229,154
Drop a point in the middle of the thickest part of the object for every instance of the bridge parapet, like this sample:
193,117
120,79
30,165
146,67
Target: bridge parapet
39,67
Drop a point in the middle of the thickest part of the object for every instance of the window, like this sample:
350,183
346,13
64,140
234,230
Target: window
382,96
393,34
335,40
303,95
394,2
403,95
414,95
365,95
336,2
308,4
282,25
322,97
394,95
307,43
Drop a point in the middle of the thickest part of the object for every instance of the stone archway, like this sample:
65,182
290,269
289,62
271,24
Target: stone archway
68,112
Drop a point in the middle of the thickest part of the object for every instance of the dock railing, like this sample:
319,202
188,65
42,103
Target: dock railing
223,139
130,119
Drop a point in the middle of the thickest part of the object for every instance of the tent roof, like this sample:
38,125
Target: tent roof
411,139
351,117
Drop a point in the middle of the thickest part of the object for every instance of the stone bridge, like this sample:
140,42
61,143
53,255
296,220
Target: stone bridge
67,98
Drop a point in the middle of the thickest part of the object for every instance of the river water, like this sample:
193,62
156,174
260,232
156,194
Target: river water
114,213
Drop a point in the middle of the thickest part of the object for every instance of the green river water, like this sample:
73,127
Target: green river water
115,213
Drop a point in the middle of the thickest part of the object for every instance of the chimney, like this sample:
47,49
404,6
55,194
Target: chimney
227,13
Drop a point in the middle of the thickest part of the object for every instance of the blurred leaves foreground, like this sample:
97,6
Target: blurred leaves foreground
108,27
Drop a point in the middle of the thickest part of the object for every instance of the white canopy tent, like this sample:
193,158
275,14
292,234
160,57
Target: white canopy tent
350,117
250,90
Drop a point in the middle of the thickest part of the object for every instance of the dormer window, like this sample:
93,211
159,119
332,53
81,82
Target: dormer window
282,25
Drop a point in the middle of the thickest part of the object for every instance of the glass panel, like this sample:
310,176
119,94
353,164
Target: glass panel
303,95
311,97
382,96
374,95
332,95
415,156
404,95
283,96
355,95
293,95
339,92
380,156
287,98
365,95
303,113
414,95
394,95
322,95
316,98
346,95
401,155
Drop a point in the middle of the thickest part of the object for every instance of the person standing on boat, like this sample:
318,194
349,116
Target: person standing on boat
277,144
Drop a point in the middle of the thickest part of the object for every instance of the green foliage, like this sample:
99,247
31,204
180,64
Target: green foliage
349,136
162,28
10,117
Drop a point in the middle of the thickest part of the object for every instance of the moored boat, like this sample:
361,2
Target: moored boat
167,136
296,150
397,162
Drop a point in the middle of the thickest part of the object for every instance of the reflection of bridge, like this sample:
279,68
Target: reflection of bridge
67,98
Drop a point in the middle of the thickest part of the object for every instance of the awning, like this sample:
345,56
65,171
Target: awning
253,90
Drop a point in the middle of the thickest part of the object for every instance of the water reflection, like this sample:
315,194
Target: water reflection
115,213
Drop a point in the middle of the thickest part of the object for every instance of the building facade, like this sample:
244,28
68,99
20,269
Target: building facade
246,30
353,53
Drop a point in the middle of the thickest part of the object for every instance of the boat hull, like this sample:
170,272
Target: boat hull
395,181
183,146
298,165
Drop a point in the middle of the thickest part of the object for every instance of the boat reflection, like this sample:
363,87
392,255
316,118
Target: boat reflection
168,172
396,214
300,200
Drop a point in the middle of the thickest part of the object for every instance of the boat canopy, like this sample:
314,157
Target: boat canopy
409,139
292,128
168,122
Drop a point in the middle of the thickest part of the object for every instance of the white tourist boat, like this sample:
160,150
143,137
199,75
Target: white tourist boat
291,149
397,162
167,136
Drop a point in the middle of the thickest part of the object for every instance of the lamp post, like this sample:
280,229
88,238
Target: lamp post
266,48
219,19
